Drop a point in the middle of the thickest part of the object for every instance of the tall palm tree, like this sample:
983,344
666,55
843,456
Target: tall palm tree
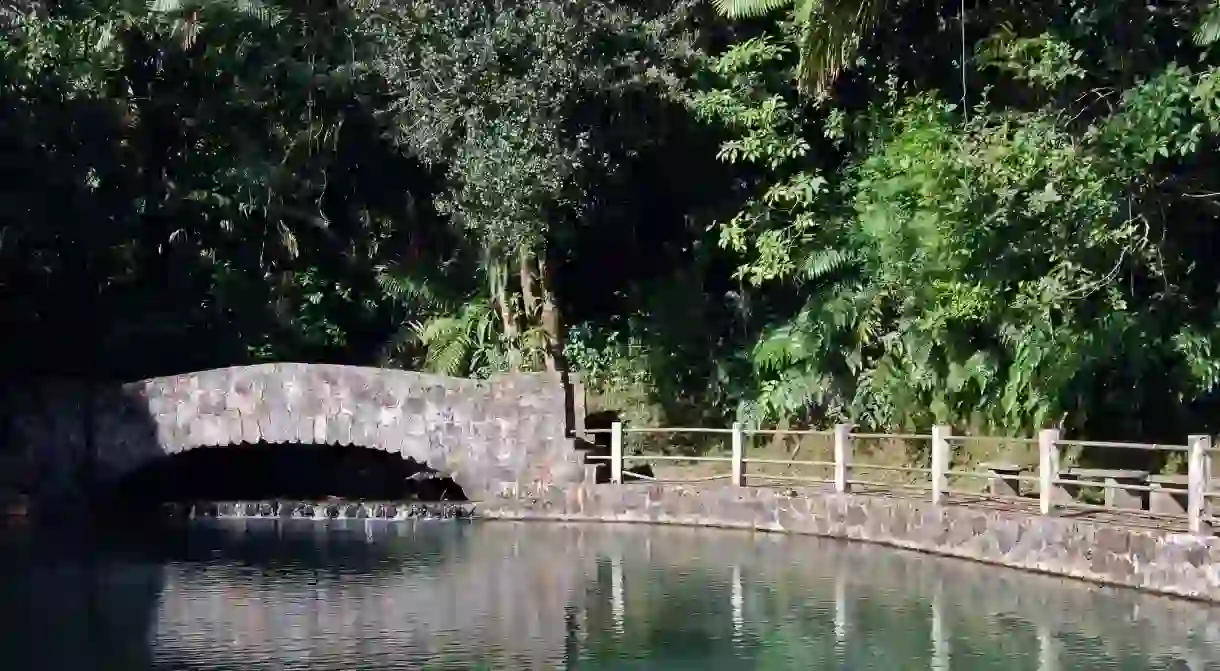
831,31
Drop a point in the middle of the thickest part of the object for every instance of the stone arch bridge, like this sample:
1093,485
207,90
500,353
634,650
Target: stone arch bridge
496,437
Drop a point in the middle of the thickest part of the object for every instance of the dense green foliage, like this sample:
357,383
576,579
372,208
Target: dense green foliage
996,215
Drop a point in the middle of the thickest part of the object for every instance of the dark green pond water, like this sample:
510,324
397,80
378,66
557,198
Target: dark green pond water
361,595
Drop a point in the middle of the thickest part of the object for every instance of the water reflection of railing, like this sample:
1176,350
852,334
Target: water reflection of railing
1029,474
527,594
960,602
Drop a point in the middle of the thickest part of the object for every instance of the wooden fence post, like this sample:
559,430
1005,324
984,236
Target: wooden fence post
1048,469
739,466
616,452
940,462
1198,482
842,456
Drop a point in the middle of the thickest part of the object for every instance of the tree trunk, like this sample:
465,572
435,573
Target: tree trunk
552,326
529,306
497,277
529,299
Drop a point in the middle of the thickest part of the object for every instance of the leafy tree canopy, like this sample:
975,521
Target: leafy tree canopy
996,215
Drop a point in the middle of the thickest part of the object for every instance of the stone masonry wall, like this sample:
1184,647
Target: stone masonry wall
1155,561
507,434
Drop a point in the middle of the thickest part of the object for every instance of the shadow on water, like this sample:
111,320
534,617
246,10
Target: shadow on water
70,596
81,597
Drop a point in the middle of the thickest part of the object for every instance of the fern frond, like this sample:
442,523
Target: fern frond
404,286
448,357
448,345
780,348
821,263
438,329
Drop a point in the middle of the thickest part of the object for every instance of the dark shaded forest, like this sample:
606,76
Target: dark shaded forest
995,215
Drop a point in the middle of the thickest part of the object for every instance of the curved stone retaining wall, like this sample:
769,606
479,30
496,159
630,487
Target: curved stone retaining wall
1150,560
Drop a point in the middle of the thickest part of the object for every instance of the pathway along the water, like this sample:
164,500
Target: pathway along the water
372,595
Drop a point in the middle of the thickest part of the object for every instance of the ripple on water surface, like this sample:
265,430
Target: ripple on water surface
372,595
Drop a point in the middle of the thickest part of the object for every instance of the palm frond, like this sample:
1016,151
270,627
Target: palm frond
263,12
748,9
1208,30
189,16
832,31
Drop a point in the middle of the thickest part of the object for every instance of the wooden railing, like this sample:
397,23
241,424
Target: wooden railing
1177,497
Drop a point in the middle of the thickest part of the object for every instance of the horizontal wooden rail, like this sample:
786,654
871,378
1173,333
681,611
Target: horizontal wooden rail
789,478
988,475
1094,484
787,432
675,457
992,439
890,485
992,497
1155,447
786,462
894,469
677,429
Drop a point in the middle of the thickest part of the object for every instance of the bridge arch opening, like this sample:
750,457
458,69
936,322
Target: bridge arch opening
282,471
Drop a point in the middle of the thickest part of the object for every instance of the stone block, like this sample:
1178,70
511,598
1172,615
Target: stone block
358,384
245,390
434,395
339,429
311,401
250,432
319,435
166,434
279,426
414,447
302,429
364,431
